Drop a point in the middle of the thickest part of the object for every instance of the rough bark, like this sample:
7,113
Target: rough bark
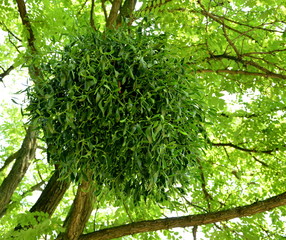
32,189
10,159
24,156
187,221
111,20
79,213
52,195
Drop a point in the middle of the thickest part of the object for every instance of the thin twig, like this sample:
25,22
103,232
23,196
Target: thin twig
10,32
218,20
91,15
269,52
208,197
243,149
230,42
266,75
257,160
6,72
82,6
104,9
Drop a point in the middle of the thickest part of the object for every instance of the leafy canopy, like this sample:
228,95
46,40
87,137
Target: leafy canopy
213,51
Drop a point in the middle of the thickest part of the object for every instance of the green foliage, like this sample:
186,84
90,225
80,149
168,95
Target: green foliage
128,107
11,127
37,225
120,106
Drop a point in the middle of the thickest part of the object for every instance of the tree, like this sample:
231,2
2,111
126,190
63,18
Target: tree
128,126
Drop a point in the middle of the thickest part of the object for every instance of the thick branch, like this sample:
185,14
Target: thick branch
111,21
25,155
126,12
52,195
187,221
79,212
34,70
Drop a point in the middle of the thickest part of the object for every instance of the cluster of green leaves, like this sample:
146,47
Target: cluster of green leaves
119,107
42,225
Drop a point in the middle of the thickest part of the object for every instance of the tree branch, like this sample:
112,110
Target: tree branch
261,162
244,62
230,42
104,10
51,195
26,153
111,20
247,25
82,7
10,159
266,75
219,20
10,32
268,52
6,72
26,22
126,12
208,197
32,189
187,221
91,15
242,149
79,212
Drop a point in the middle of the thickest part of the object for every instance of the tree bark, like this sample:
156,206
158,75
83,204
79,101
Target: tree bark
20,167
187,221
27,24
111,20
79,212
52,195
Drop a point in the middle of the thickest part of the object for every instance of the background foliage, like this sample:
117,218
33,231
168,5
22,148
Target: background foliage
222,63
